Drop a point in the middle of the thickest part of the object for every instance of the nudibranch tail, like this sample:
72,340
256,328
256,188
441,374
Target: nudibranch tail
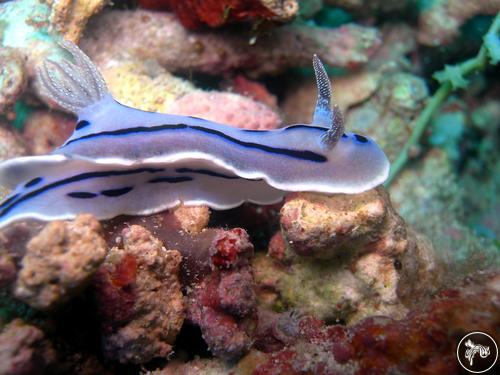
73,86
323,114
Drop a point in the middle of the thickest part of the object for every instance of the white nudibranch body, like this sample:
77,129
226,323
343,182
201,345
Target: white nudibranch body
122,160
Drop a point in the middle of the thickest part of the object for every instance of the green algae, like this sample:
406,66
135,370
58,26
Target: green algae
22,111
11,308
452,77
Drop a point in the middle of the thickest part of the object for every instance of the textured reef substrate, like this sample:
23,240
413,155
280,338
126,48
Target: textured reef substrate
386,281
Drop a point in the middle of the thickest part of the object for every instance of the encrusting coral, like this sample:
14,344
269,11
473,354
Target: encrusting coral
423,342
216,13
434,201
59,262
24,349
223,303
399,99
69,17
139,298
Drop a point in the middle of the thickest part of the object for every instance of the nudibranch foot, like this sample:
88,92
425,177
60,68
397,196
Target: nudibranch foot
121,160
107,190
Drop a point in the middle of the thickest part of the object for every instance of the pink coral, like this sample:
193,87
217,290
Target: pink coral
253,89
227,108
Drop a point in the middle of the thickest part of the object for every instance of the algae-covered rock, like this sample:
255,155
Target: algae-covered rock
432,198
345,257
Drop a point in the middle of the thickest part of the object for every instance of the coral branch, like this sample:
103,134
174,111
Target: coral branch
450,78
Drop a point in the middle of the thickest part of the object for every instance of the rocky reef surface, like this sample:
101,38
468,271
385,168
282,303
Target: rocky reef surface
386,281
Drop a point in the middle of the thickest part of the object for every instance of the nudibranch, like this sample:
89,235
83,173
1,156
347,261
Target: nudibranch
121,160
